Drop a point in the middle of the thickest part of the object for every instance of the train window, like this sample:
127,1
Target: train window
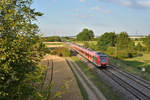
103,58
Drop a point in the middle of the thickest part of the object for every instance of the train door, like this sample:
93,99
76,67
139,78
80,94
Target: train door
98,60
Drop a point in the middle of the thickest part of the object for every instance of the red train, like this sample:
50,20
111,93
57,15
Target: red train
99,59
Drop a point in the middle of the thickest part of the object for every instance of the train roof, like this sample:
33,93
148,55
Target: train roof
101,54
90,51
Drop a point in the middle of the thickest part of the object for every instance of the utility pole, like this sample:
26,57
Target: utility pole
116,46
116,49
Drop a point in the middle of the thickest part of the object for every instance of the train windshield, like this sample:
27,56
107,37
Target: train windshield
103,59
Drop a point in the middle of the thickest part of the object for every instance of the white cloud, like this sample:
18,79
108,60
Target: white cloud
105,11
82,16
82,0
144,3
131,3
96,8
101,10
127,3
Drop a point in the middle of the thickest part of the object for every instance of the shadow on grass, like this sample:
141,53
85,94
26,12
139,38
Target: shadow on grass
134,67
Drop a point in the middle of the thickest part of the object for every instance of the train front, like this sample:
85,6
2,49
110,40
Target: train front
102,60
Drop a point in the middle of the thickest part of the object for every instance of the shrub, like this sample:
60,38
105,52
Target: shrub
66,52
52,39
86,45
61,51
111,51
139,54
93,46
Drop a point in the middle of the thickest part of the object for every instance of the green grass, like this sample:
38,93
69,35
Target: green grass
144,59
134,66
82,42
105,89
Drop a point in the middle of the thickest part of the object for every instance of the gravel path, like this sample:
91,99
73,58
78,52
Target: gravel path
62,75
92,91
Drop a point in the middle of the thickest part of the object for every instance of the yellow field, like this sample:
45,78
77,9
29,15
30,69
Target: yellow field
54,44
145,59
141,42
82,42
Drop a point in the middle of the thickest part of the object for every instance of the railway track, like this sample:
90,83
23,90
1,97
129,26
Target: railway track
135,91
133,85
139,80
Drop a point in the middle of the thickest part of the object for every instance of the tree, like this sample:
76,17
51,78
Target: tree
139,47
125,46
147,42
123,40
85,35
108,39
21,48
52,39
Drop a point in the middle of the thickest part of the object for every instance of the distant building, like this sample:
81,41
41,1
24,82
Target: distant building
72,36
136,36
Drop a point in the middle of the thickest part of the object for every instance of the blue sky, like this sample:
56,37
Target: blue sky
69,17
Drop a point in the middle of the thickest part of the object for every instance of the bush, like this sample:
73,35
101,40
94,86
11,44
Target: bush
122,54
61,51
140,54
86,45
148,68
52,39
93,46
66,52
111,51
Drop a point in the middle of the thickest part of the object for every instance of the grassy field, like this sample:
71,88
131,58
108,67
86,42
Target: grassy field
105,89
53,43
82,42
144,59
134,65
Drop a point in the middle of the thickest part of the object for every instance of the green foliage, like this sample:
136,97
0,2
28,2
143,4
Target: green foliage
123,40
110,51
139,47
20,49
147,42
125,46
85,35
86,45
69,39
108,39
52,39
61,51
93,46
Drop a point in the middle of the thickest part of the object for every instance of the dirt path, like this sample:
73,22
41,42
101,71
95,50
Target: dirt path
64,78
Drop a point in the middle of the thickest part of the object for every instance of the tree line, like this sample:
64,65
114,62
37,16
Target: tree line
119,45
21,49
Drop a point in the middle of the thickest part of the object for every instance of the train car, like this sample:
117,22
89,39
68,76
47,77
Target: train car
98,58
